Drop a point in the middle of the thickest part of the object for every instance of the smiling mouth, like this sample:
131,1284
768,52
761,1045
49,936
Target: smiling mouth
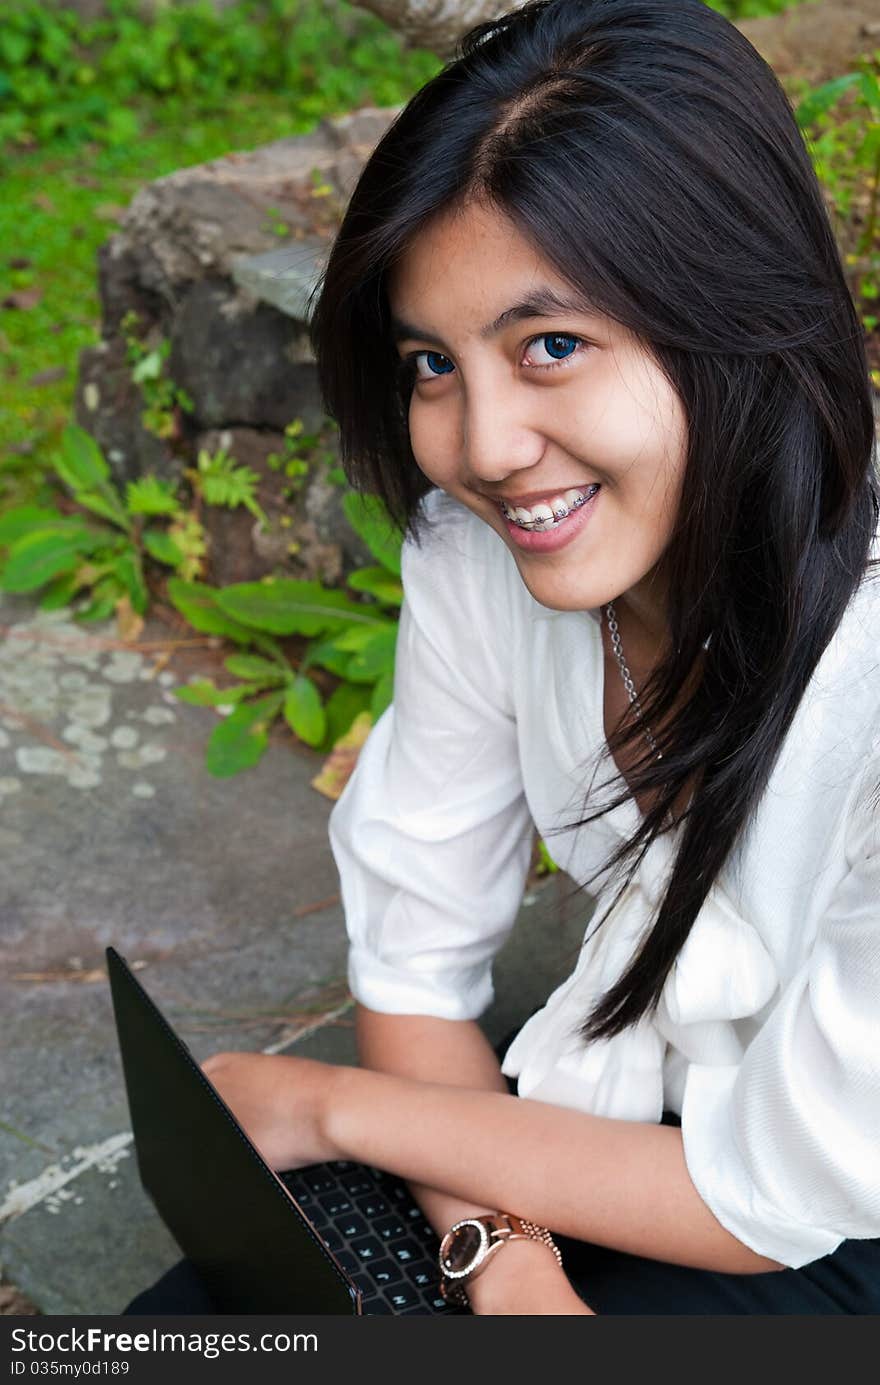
544,515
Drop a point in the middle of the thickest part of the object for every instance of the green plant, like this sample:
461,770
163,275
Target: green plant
302,451
846,154
354,640
64,76
220,480
67,554
546,865
163,398
64,553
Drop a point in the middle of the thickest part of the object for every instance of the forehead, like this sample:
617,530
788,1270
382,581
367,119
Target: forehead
465,244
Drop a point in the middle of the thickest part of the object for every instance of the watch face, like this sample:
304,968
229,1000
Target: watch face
463,1247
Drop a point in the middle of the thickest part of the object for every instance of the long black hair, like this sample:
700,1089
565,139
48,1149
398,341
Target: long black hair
650,155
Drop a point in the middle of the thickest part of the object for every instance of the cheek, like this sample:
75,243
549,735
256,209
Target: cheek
432,439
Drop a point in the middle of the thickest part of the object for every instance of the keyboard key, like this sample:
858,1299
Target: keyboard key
352,1226
389,1228
317,1216
404,1252
340,1165
372,1206
412,1212
399,1193
294,1185
425,1275
355,1183
349,1261
384,1272
401,1297
320,1182
367,1248
332,1239
335,1204
375,1307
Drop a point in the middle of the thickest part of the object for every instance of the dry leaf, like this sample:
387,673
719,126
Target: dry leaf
129,624
110,211
49,376
337,768
22,299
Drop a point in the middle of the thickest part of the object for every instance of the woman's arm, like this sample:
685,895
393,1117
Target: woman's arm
622,1184
457,1053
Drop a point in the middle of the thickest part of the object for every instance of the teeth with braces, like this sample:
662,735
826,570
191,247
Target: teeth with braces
556,514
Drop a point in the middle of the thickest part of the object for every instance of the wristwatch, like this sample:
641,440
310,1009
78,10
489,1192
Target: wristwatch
468,1246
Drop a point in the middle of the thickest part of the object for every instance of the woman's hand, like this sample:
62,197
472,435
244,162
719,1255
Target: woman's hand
281,1102
523,1279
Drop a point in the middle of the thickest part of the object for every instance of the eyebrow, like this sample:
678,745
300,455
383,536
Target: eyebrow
542,302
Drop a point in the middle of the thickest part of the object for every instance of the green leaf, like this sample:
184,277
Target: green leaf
204,693
23,520
822,98
81,463
149,367
547,866
375,659
162,547
240,741
198,603
128,570
356,638
870,89
371,522
304,713
289,606
383,694
100,505
378,582
149,495
342,707
326,655
103,604
36,558
253,667
60,592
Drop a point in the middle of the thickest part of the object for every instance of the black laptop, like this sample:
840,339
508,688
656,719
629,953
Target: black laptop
331,1238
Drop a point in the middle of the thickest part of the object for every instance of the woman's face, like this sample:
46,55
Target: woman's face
550,400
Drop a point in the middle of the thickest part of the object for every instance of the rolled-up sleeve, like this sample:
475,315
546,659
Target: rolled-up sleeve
785,1148
432,835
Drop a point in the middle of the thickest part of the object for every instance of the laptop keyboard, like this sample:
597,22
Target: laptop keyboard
368,1219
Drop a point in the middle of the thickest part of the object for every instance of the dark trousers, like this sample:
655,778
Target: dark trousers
847,1281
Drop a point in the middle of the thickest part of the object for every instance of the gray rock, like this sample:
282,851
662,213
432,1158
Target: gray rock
285,277
198,259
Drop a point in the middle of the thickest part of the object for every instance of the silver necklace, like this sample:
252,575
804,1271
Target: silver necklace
627,677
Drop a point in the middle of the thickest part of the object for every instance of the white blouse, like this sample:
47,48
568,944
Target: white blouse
767,1037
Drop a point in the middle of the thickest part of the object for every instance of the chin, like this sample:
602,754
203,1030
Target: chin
550,595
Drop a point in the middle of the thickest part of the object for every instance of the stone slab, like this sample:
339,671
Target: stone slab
222,894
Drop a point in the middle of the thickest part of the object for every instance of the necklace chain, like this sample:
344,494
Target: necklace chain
627,677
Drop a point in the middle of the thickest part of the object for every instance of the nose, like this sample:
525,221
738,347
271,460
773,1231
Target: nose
499,435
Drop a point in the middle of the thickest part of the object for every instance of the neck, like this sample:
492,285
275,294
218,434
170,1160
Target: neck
642,628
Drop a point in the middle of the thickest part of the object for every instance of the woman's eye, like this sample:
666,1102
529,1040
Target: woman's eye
559,346
430,363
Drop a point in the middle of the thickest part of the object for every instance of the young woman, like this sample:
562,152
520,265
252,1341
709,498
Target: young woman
585,330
